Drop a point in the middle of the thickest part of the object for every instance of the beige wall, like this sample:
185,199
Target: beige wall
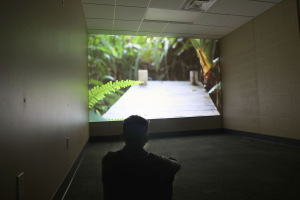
261,74
43,56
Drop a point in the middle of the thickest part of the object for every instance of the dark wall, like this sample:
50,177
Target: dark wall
43,59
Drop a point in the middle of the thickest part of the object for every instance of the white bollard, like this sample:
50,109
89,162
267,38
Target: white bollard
143,76
194,77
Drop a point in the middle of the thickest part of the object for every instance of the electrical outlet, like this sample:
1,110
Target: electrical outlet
67,142
20,185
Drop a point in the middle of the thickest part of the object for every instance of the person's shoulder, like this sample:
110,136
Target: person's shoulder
110,155
153,155
167,161
158,158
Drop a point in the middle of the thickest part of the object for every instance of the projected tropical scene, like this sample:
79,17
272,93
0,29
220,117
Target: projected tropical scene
154,77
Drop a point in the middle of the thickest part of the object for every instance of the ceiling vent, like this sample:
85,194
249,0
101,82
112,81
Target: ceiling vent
198,5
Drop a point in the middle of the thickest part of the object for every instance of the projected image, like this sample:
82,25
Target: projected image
154,77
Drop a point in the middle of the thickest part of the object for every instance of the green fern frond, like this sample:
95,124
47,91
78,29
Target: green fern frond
98,92
120,119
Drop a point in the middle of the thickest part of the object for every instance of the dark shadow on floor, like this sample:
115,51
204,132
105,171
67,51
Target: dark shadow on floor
212,167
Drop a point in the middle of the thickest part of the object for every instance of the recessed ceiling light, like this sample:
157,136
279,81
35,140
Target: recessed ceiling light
171,15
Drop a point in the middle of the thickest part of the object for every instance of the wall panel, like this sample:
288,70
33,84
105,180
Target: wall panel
43,94
260,74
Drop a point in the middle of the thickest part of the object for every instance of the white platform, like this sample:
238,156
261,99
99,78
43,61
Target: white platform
167,99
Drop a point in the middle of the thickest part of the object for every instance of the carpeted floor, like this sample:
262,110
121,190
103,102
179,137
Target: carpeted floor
212,167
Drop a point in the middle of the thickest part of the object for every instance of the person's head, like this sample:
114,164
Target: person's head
135,131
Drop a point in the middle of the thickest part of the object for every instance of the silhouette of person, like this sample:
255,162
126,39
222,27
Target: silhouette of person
133,173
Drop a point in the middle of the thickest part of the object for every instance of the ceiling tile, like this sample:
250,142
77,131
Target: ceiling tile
108,2
274,1
129,13
99,24
166,4
148,34
194,36
177,35
227,6
211,19
181,35
235,21
254,8
216,37
124,33
134,3
98,11
198,36
100,32
176,28
171,15
126,25
198,29
152,26
220,31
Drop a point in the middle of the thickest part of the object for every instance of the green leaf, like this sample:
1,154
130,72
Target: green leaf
216,87
156,58
161,77
107,78
95,82
98,92
120,119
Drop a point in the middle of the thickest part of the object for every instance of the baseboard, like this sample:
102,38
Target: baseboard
68,178
266,138
160,135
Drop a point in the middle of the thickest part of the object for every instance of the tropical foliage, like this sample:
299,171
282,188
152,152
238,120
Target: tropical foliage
120,119
210,71
116,58
98,92
112,58
120,57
